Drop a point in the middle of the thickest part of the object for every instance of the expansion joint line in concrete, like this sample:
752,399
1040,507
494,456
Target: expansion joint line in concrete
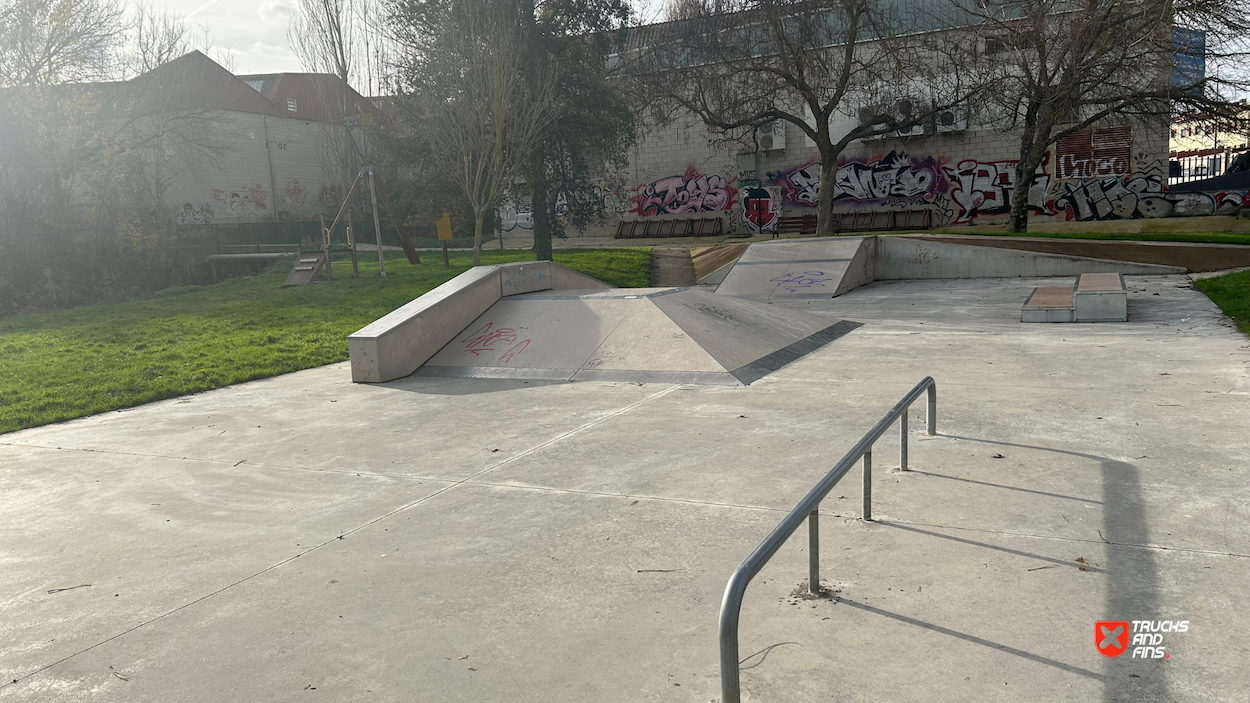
6,684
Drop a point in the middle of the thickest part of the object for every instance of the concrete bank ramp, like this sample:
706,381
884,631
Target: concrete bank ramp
830,266
671,335
804,268
542,321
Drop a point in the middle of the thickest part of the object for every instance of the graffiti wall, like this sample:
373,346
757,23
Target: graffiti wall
761,209
686,193
986,188
244,203
894,177
961,191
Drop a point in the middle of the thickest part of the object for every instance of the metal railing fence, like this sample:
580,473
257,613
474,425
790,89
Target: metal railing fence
807,509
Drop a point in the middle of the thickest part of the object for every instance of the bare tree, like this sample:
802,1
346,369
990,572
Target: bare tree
1062,66
43,42
159,36
485,115
740,64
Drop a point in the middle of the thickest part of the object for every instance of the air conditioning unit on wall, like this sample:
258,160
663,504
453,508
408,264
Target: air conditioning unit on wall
953,120
912,131
772,136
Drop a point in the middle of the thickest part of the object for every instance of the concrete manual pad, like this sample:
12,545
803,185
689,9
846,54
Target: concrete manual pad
1098,282
1050,297
673,334
1081,473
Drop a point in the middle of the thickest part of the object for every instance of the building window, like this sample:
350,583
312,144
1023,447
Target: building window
290,104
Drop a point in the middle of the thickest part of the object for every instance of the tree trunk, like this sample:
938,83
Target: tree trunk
824,211
538,205
479,217
1026,173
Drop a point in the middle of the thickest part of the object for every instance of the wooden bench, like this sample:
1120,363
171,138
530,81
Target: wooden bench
798,224
687,227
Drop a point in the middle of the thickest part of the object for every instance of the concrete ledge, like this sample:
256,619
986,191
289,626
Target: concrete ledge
1101,298
396,344
915,258
1049,304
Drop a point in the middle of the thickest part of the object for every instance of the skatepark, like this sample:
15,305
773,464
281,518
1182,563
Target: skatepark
424,522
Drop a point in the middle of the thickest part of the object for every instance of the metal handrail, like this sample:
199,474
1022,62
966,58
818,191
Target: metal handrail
807,508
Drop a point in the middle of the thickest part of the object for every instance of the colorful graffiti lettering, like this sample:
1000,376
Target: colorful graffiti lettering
985,188
1122,198
692,192
761,209
864,179
490,338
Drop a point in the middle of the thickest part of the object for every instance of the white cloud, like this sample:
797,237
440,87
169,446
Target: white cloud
274,12
256,34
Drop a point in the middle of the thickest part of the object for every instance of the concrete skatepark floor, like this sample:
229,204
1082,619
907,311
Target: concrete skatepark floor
304,538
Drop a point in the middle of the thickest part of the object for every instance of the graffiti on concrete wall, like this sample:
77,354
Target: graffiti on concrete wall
190,214
986,187
295,193
865,179
242,202
690,192
761,209
1086,166
331,198
1129,197
1231,203
612,198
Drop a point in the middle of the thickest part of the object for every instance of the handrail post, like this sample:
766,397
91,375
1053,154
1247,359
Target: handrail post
813,546
868,485
809,509
902,440
932,414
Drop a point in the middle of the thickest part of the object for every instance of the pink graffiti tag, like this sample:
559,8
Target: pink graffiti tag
489,338
514,350
693,192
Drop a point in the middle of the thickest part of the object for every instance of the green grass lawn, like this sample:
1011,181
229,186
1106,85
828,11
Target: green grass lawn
1232,294
69,363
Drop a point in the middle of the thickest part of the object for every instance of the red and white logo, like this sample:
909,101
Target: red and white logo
1111,637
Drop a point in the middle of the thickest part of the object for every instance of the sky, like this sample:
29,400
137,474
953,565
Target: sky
255,31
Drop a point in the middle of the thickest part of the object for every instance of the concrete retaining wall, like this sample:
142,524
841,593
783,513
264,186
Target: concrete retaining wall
905,258
398,343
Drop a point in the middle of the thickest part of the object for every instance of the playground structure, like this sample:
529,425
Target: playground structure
308,265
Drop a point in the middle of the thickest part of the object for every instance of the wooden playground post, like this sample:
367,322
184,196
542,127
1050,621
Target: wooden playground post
351,239
377,227
325,246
